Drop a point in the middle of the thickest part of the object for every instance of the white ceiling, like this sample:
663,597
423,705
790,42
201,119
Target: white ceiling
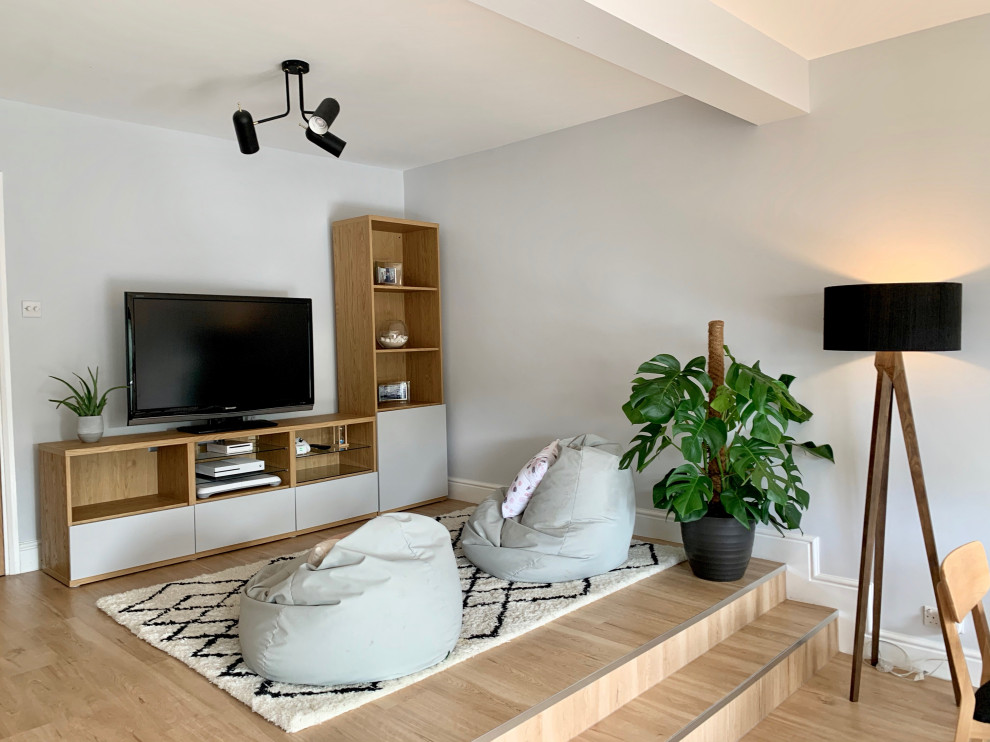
418,81
815,28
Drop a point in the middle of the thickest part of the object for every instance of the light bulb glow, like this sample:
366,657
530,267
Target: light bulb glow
318,125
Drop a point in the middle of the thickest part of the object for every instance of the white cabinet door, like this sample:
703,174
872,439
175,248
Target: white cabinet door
337,499
412,456
134,540
237,520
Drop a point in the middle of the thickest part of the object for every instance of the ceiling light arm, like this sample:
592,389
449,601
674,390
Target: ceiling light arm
288,104
302,104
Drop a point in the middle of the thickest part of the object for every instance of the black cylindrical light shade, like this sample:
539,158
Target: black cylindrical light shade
328,110
247,137
893,316
332,144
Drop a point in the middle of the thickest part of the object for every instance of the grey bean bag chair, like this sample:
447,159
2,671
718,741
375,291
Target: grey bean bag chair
383,603
578,523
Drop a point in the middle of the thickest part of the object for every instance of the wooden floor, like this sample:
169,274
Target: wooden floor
889,708
68,672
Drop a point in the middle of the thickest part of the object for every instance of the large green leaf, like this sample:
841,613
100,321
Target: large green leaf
736,507
823,451
689,492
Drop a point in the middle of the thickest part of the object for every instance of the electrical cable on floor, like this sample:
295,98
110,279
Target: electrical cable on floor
907,668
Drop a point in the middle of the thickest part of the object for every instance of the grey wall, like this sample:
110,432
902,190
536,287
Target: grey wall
570,258
94,208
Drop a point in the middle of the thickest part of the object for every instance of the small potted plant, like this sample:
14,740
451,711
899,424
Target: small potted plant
738,458
87,403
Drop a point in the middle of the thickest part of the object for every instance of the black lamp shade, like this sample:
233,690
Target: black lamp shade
247,137
328,110
893,316
332,144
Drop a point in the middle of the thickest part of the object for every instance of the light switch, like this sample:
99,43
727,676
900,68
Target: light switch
31,308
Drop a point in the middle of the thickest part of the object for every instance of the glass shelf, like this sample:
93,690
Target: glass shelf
330,471
203,455
238,477
331,450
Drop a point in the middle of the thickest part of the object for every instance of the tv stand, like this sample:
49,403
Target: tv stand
225,425
130,502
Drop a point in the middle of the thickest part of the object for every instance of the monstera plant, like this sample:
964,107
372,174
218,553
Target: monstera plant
738,454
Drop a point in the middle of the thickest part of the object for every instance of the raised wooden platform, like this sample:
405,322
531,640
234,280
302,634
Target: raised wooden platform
673,655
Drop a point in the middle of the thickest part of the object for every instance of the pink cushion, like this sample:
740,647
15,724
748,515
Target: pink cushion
522,487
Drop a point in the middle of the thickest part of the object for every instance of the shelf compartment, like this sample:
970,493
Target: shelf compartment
203,455
115,483
422,371
419,311
314,453
358,457
119,508
330,471
416,249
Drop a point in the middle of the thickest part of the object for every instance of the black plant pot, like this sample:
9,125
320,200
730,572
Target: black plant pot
718,548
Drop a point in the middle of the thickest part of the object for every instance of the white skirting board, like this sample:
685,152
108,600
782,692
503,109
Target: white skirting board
30,552
805,581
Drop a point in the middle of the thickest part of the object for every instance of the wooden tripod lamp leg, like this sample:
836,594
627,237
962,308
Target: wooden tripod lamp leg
920,492
881,529
875,484
891,384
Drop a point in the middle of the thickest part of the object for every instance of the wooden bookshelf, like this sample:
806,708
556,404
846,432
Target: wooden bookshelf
362,307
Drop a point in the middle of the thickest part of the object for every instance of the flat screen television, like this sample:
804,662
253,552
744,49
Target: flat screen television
196,356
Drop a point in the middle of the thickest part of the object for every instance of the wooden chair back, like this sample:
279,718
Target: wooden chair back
964,579
966,575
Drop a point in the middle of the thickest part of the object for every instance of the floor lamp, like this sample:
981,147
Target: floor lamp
890,318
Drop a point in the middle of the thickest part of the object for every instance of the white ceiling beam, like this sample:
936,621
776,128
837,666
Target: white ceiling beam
692,46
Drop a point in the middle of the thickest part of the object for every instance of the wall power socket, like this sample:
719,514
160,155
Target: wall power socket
929,617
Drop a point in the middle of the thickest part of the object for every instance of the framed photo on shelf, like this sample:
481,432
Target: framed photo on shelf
393,391
387,273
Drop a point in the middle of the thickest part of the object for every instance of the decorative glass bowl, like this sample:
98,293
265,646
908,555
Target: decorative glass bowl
392,333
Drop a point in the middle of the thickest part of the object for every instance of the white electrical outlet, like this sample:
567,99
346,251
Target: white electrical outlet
929,615
31,308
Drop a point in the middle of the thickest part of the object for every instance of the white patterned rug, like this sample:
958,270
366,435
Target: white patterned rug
195,621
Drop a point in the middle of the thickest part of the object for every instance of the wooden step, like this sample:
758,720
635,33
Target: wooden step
727,691
572,710
501,693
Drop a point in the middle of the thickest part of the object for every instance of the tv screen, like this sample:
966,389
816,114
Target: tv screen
203,356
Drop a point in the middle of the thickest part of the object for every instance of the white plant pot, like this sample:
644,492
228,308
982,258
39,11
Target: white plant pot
90,429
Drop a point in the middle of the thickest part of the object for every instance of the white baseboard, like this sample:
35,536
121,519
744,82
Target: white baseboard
469,490
30,554
805,580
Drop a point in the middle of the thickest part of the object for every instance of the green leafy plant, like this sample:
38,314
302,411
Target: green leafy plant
738,455
86,400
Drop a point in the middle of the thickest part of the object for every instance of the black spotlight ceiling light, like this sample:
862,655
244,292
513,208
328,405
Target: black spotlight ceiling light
317,122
